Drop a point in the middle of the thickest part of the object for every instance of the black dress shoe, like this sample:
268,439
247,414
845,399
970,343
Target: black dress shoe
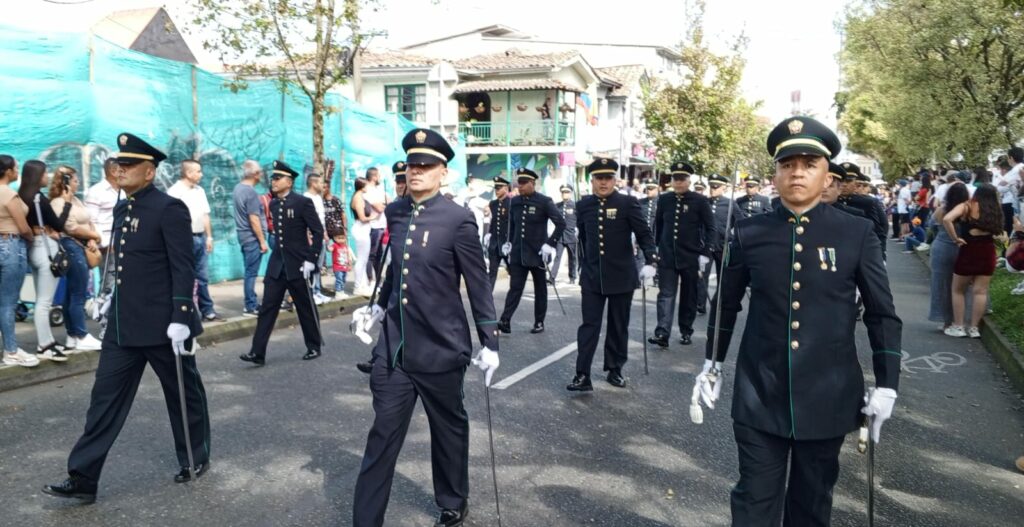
659,340
702,311
686,340
253,358
537,328
616,379
365,367
74,487
184,476
311,354
453,518
580,383
505,326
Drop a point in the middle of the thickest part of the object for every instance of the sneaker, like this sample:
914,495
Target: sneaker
213,317
20,358
955,331
341,295
319,300
363,291
923,247
973,333
1017,291
53,352
250,313
908,252
89,343
71,345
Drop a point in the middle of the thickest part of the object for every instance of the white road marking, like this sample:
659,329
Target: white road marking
535,367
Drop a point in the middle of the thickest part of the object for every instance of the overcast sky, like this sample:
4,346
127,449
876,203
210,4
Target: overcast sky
793,43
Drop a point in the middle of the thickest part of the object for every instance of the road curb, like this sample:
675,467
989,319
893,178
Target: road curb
12,378
1002,350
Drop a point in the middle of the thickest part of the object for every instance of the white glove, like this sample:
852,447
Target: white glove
647,273
487,240
547,253
506,248
179,333
707,389
703,261
363,320
879,403
100,307
487,361
307,269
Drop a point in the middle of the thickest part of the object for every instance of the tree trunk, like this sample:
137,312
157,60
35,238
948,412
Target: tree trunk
318,133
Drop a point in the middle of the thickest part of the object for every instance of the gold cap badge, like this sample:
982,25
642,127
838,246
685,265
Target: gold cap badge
604,161
421,137
796,126
123,139
401,165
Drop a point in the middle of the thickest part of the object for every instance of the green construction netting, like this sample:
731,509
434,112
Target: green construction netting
66,97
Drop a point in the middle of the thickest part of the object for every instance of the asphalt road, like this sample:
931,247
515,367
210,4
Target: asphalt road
288,439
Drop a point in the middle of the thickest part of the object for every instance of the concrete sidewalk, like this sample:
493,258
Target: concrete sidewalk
228,301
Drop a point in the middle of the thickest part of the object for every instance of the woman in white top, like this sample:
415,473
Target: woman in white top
364,215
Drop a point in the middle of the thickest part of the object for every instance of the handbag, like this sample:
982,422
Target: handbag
93,257
60,262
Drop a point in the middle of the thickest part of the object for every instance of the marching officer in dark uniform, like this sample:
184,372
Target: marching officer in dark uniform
529,249
497,233
290,265
424,345
569,241
608,222
685,228
698,185
151,319
830,196
720,210
870,207
649,209
753,203
799,387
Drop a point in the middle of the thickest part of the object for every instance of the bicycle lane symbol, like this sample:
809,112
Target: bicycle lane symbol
937,362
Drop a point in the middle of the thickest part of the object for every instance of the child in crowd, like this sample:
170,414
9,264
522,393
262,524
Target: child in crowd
341,260
915,238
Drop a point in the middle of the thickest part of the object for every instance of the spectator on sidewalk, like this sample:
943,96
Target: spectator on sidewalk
99,201
14,233
361,232
79,235
187,189
44,246
341,262
250,226
915,238
375,196
314,191
1008,184
334,212
980,219
902,216
943,257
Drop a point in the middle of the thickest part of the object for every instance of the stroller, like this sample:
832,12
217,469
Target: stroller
24,308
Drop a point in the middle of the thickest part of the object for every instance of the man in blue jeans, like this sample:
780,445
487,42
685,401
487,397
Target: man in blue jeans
250,224
188,190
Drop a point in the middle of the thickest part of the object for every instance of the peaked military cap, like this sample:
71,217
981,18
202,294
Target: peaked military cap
838,171
398,170
752,179
681,168
603,167
650,183
802,136
717,179
565,188
282,169
134,150
500,181
526,173
699,183
426,147
852,170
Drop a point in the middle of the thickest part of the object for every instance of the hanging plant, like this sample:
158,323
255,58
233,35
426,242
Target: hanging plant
522,107
480,108
496,109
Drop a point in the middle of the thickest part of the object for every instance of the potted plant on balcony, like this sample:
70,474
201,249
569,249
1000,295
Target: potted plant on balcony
522,107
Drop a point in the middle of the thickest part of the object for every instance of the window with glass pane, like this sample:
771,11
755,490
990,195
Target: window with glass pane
409,101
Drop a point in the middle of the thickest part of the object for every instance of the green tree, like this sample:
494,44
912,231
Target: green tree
932,80
307,46
704,119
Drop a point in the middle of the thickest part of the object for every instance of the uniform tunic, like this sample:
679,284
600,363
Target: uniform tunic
295,224
569,241
424,348
528,233
499,235
871,209
607,227
153,281
753,205
685,228
720,210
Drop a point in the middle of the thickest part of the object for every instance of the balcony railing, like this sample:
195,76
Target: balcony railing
519,133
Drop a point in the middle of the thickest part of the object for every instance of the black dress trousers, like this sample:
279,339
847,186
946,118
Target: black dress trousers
616,340
117,379
762,496
494,258
705,278
670,281
274,289
517,282
394,398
